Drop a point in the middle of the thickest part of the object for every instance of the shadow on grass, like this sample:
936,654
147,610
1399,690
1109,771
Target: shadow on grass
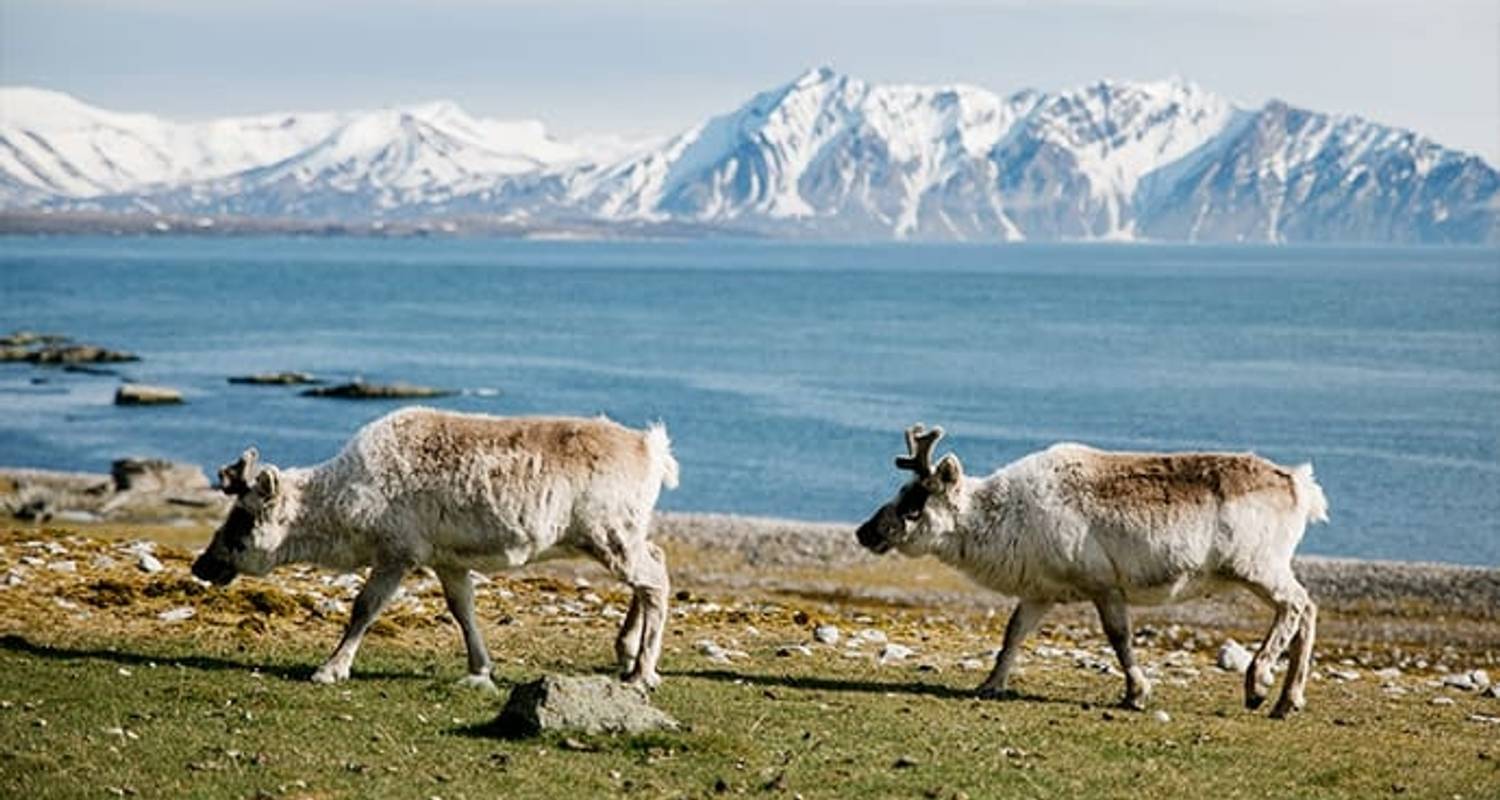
817,684
13,643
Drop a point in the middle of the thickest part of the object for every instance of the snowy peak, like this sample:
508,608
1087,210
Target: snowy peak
52,145
825,154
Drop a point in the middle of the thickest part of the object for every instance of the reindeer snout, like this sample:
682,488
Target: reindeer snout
869,535
214,570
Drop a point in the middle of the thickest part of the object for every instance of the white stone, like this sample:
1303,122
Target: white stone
177,614
826,634
1233,657
1162,716
972,664
63,566
872,635
1441,700
149,564
1461,681
1342,675
893,652
1480,678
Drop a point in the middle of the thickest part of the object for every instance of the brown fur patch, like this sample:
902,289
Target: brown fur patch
1174,479
586,446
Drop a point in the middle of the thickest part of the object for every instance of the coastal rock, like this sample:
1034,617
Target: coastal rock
1233,657
590,704
25,338
359,390
276,379
78,354
140,394
155,475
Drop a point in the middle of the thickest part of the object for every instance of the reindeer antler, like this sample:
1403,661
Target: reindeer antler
234,479
919,444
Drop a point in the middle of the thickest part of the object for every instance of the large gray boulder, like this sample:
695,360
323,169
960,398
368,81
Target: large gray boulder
588,704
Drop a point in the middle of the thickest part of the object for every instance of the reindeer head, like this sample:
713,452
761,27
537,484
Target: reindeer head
255,527
925,509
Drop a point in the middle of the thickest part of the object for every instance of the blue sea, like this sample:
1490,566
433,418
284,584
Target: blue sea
786,372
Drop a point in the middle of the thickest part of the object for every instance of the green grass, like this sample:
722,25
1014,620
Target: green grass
227,719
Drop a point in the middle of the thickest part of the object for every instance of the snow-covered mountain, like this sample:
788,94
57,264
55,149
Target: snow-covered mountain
825,155
59,152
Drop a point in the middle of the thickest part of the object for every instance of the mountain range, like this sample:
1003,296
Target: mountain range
826,155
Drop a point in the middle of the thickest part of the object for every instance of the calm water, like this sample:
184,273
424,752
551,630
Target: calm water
786,372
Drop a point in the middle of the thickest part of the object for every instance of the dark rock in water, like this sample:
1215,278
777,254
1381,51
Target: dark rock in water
140,394
88,370
78,354
359,390
155,475
275,379
588,704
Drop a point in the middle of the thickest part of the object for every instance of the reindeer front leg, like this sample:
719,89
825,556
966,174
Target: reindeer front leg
372,599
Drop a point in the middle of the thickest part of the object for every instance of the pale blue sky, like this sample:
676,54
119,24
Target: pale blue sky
655,66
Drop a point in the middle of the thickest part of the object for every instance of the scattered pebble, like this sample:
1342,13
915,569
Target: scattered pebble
63,566
1488,719
1162,716
713,652
1463,681
826,634
148,563
873,635
177,614
1441,700
1233,657
1342,675
893,652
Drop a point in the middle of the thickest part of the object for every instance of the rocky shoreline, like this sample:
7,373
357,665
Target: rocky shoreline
1424,604
761,542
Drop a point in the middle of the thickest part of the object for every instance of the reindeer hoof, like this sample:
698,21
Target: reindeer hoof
329,675
987,692
480,683
646,680
1282,710
1254,701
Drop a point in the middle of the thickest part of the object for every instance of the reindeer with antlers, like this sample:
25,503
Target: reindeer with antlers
1071,523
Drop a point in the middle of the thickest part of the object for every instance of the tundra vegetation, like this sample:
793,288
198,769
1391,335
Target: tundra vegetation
799,669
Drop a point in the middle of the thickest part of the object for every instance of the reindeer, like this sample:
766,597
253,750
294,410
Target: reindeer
1072,523
455,492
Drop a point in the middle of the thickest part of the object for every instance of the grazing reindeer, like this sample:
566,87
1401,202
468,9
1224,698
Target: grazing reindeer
456,492
1072,523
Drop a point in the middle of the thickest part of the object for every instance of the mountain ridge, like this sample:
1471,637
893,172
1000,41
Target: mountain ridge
824,155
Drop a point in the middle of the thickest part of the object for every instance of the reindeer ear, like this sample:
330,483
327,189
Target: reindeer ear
268,482
948,470
234,479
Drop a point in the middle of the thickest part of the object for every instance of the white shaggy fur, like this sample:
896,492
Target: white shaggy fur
1072,523
456,492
